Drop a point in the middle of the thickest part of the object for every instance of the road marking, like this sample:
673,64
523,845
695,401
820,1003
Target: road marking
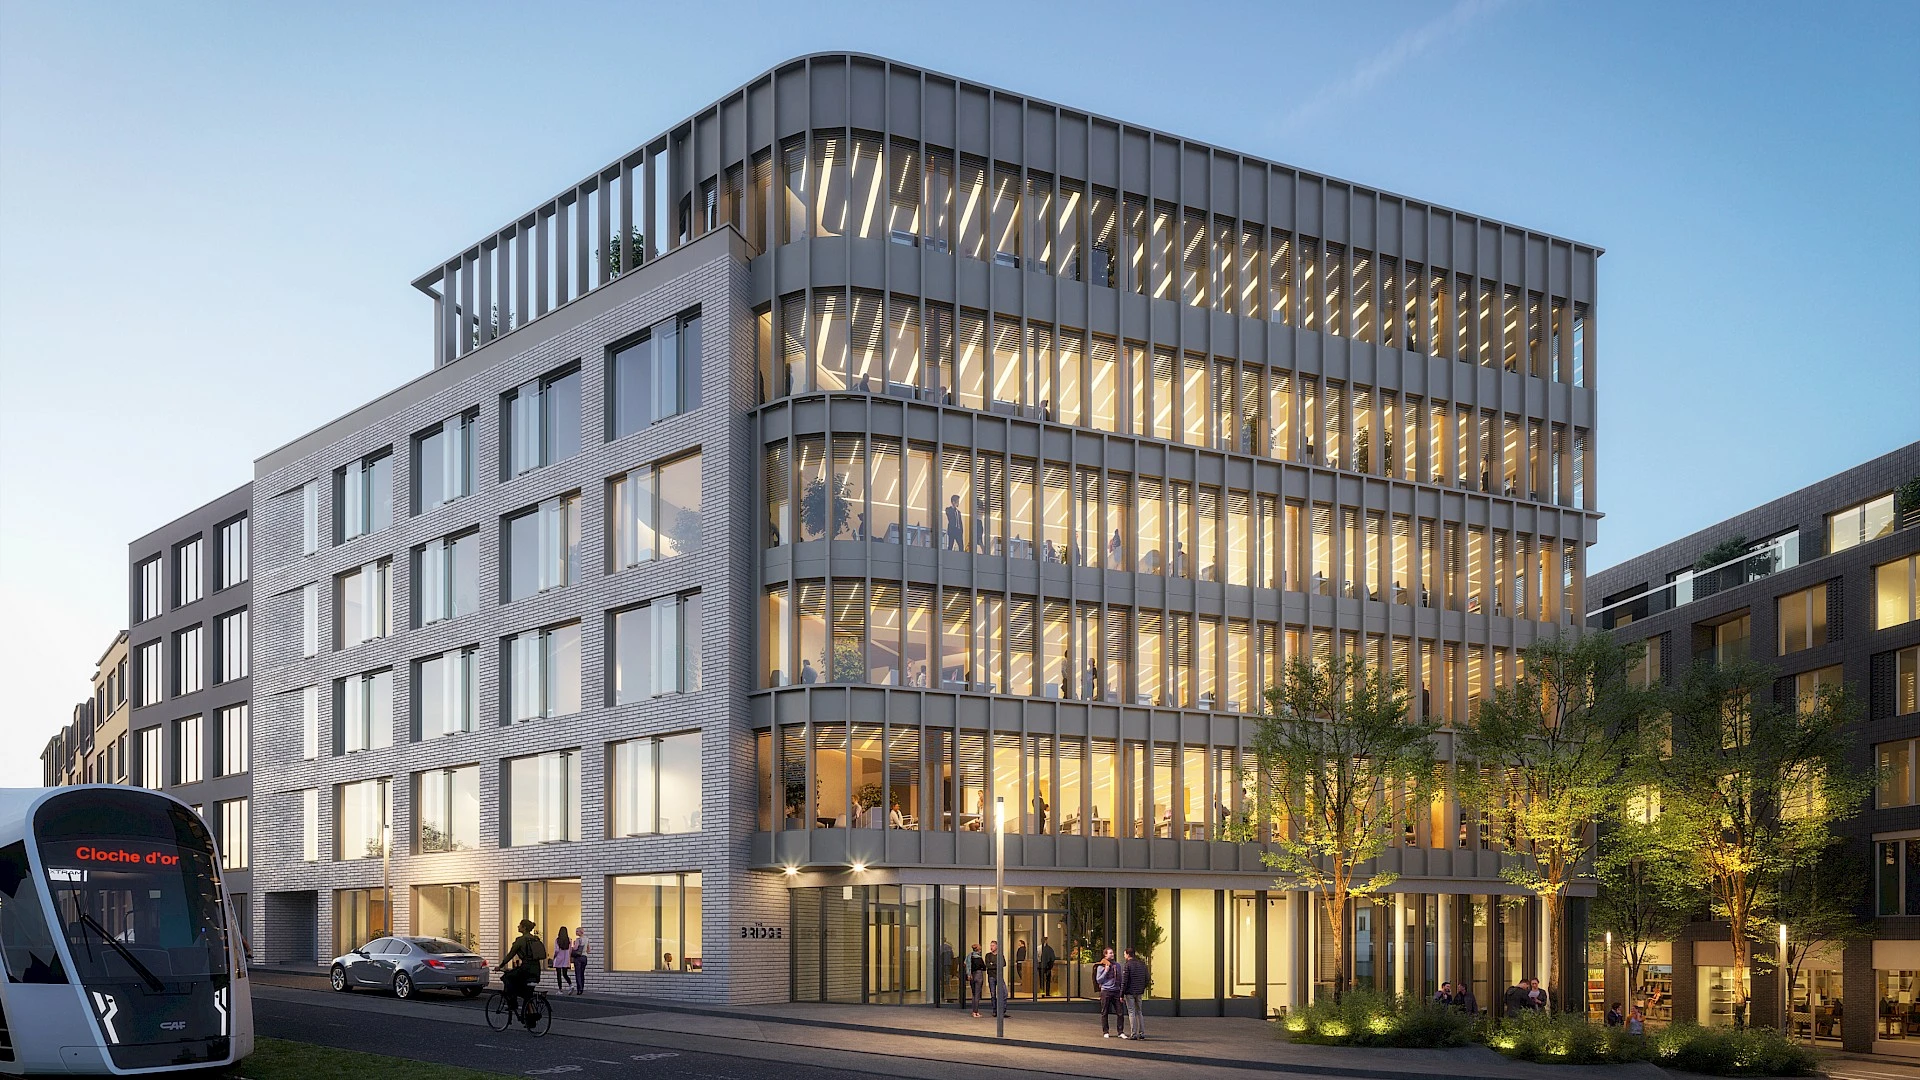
655,1057
553,1070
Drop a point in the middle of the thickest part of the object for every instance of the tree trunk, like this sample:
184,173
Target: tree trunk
1556,993
1337,923
1741,961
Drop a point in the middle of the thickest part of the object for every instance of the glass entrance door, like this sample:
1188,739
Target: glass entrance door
896,946
1041,969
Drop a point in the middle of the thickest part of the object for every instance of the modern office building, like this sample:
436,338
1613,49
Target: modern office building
190,602
869,448
1822,584
92,749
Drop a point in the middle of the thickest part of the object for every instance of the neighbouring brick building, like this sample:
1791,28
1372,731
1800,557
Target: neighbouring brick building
1823,583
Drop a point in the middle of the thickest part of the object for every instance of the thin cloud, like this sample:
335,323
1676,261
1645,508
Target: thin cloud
1404,48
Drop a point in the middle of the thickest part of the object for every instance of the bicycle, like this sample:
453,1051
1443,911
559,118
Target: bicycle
535,1011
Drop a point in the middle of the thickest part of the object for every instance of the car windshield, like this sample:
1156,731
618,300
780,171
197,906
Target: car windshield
438,945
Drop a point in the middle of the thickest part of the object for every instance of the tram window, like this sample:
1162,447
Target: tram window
26,943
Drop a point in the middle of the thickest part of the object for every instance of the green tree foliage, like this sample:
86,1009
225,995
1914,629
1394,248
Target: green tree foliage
1547,759
1750,792
1644,900
1337,761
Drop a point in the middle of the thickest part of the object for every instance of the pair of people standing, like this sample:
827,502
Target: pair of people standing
1122,983
986,977
570,953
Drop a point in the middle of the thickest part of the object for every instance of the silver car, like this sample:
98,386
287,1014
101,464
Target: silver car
408,965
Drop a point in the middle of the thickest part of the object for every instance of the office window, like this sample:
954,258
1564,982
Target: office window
543,675
1896,592
233,834
309,722
1803,619
310,825
446,809
153,674
235,731
187,584
153,757
446,687
153,588
363,604
657,649
542,422
310,517
1893,765
446,576
310,619
1905,691
189,750
443,462
189,670
1807,685
364,492
1856,525
234,647
656,511
656,785
655,923
657,376
543,799
363,812
233,553
543,547
364,710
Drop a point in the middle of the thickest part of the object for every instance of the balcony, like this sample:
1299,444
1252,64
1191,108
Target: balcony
1761,560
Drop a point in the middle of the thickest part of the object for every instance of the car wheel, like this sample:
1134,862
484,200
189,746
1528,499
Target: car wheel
403,986
470,991
339,979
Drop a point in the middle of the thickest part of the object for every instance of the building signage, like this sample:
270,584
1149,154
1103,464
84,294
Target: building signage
762,932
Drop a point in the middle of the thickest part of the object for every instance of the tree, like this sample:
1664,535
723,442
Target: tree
1818,903
1750,792
1549,757
817,500
636,247
1334,754
1642,901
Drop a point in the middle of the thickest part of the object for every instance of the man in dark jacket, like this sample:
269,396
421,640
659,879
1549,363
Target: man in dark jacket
1107,978
1133,984
1514,1001
1043,966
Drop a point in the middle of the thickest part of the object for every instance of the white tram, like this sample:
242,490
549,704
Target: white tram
119,949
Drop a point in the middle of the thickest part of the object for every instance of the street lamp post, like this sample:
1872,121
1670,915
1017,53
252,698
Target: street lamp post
1000,914
1786,989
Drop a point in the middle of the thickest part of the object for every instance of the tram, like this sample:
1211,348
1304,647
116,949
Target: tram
120,951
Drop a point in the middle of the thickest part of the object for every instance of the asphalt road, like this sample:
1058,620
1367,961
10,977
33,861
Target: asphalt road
451,1030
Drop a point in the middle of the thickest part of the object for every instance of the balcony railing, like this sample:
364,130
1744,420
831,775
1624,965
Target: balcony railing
1763,560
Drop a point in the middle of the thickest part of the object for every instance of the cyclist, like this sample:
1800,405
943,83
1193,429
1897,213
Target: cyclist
520,968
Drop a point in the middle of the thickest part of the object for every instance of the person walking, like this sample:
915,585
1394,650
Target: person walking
1107,977
1135,978
580,954
1043,967
562,959
1020,961
954,534
997,978
976,973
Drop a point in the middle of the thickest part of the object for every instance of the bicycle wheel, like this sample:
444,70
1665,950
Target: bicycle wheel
539,1015
498,1014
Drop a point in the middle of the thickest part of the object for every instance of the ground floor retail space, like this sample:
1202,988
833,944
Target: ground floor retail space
1211,952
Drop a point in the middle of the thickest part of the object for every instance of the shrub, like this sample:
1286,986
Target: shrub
1732,1052
1563,1039
1366,1018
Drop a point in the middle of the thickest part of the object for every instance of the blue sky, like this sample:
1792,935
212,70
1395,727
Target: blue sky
212,213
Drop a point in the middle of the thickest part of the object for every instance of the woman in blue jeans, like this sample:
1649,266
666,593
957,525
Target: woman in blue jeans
580,954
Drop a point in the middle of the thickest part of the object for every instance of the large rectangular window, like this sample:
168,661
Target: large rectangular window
310,825
1856,525
446,809
1803,619
189,751
310,517
657,376
363,491
542,422
449,911
1896,592
446,576
363,604
446,687
1905,690
657,649
656,511
543,799
364,710
656,785
234,841
655,923
543,672
153,674
235,732
443,462
543,547
153,589
187,583
233,553
153,757
310,619
363,812
189,669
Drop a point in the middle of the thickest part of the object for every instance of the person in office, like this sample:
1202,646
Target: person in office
1113,551
807,674
955,536
1092,683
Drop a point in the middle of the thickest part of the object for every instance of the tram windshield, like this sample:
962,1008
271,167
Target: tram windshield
137,897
